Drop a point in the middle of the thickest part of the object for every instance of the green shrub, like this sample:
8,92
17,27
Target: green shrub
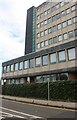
59,90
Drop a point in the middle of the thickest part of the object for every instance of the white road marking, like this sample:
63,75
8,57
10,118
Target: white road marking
11,115
29,115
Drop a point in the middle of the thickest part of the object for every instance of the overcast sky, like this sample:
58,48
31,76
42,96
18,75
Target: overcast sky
12,27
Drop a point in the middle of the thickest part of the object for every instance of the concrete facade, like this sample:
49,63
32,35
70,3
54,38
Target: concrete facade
55,57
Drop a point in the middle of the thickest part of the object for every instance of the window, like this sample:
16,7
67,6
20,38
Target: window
62,4
57,6
62,13
42,33
54,17
16,66
45,60
20,65
69,22
4,69
26,64
75,32
55,39
45,13
70,34
38,35
38,45
46,42
46,32
74,19
8,69
60,37
68,10
50,41
38,17
71,54
64,24
53,8
41,24
31,63
49,10
38,26
73,8
49,30
59,26
61,56
65,36
11,67
53,58
54,28
42,44
41,15
45,22
58,16
38,61
49,20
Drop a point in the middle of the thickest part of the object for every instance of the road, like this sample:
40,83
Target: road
31,111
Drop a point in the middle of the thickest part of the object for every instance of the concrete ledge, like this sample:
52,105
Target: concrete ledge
69,105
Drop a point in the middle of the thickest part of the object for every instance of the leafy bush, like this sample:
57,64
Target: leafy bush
59,90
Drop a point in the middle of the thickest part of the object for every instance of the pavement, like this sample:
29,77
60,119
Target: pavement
59,104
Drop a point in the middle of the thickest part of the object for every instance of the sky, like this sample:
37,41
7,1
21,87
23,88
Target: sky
12,27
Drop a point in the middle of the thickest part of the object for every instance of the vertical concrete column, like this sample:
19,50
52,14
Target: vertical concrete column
28,79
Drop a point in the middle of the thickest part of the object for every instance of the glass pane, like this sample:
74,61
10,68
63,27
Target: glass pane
38,61
64,24
65,36
69,22
53,58
38,45
42,44
8,68
46,42
4,69
16,66
71,54
26,64
59,26
70,34
12,67
62,56
21,65
31,63
60,38
45,60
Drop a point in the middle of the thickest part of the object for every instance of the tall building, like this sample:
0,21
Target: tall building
50,45
30,30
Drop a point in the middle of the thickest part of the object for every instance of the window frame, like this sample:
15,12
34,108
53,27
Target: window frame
26,64
31,63
37,58
70,59
45,64
64,56
51,55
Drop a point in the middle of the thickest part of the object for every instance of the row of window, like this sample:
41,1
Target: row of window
44,60
57,27
49,20
56,39
57,16
57,6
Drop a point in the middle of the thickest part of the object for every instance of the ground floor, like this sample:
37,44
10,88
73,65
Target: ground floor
41,78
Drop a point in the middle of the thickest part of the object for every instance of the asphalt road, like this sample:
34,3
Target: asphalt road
32,112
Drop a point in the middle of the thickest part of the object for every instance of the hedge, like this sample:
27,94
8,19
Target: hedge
59,90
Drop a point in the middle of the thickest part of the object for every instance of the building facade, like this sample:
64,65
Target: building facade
50,46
